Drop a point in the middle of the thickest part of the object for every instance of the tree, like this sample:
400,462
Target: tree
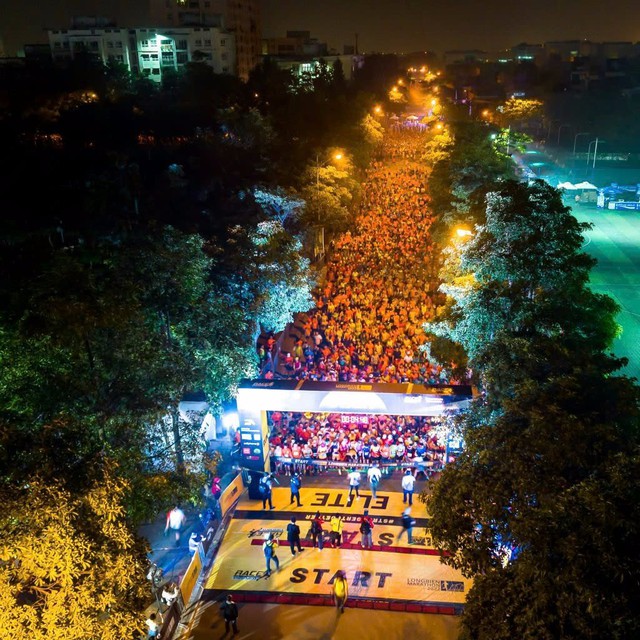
541,507
521,113
372,130
542,510
100,362
522,276
69,565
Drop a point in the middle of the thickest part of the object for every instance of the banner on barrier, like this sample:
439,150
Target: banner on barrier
191,577
231,494
359,465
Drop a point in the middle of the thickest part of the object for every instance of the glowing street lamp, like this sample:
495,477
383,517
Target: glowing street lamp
462,233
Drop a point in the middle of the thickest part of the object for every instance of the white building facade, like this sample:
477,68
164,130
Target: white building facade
150,51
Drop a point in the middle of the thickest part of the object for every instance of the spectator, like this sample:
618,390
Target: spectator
317,532
354,484
366,529
407,525
264,487
340,591
336,530
229,611
175,521
293,536
269,548
295,489
374,475
408,484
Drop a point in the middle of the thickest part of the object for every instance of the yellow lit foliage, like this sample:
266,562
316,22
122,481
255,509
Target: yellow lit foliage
516,110
69,566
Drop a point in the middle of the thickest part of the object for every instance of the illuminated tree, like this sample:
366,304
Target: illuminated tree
69,566
522,276
520,112
541,507
439,147
372,130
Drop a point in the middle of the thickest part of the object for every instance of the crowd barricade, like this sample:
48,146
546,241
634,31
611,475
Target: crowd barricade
170,620
428,467
209,543
230,495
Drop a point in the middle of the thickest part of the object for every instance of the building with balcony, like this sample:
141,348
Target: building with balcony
241,18
148,51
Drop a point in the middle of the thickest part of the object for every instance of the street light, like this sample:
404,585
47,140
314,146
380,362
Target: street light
596,142
560,128
575,139
462,232
595,152
337,156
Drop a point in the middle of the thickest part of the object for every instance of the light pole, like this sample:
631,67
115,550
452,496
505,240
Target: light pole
596,142
337,156
575,140
595,152
560,128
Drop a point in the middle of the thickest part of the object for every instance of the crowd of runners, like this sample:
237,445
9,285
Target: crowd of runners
297,440
381,282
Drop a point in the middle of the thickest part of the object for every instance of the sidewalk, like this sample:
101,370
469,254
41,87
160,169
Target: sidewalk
172,558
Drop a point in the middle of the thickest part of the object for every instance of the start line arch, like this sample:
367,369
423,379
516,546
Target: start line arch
256,397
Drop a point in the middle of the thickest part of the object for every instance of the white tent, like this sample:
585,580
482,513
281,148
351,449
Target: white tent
585,185
567,186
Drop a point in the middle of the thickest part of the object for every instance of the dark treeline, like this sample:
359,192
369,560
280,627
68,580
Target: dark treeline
149,234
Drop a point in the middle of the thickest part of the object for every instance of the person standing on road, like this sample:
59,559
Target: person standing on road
266,483
366,529
175,521
316,531
374,474
152,626
340,591
269,547
336,530
407,525
295,489
293,536
229,611
408,484
354,484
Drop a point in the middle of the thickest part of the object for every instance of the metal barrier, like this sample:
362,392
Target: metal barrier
426,466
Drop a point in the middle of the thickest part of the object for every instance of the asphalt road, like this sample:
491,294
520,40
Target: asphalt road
615,242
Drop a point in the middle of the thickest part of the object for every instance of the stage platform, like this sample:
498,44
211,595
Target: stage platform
392,576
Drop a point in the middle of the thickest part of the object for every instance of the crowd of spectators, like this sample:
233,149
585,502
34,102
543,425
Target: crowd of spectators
381,282
298,439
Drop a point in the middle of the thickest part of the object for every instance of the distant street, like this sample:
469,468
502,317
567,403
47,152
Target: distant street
615,243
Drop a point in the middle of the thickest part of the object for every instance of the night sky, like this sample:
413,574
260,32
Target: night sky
383,25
